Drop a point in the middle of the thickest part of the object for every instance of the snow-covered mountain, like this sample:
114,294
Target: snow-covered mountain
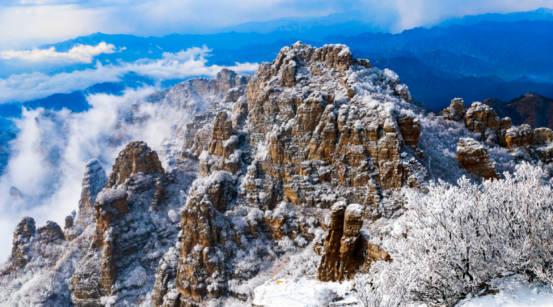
313,182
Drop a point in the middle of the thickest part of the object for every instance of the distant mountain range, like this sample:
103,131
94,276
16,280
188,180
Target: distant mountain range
529,108
476,57
498,56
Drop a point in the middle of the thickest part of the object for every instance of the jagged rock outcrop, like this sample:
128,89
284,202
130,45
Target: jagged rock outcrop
136,158
126,224
93,181
481,118
50,232
473,157
290,144
314,130
205,230
165,291
24,232
222,153
355,139
455,111
227,89
519,136
410,129
29,241
345,251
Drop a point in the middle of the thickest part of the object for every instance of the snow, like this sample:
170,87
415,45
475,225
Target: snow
390,74
137,277
303,293
514,291
107,195
354,210
173,216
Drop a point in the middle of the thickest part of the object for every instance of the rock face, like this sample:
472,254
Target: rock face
264,159
482,119
345,250
201,266
306,129
22,236
93,181
410,129
355,139
126,224
137,157
455,111
473,157
519,136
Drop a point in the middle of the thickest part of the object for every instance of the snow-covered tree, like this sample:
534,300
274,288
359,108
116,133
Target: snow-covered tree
457,238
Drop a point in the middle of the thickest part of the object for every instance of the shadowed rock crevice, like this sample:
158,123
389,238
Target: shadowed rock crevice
345,250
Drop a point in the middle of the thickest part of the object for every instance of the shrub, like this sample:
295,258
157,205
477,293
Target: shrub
457,238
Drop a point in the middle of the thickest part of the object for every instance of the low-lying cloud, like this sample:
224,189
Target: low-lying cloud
44,174
77,54
180,65
47,158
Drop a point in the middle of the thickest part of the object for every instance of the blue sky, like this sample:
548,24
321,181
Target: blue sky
25,23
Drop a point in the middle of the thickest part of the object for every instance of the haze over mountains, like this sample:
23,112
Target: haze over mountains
498,56
477,57
263,163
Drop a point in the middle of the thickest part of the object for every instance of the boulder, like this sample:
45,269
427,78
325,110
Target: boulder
481,118
455,111
519,136
473,157
542,136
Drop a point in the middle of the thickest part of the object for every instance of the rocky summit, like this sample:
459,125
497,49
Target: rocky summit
304,161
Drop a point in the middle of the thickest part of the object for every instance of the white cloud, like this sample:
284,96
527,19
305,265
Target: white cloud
52,148
50,151
33,21
30,22
180,65
27,25
413,13
77,54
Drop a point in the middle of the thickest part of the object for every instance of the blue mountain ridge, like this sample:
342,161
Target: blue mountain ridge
475,57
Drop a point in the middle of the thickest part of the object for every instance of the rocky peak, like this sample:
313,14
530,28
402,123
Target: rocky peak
519,136
481,118
317,126
93,181
474,157
314,132
200,272
134,223
50,232
456,110
227,79
135,158
24,232
330,102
